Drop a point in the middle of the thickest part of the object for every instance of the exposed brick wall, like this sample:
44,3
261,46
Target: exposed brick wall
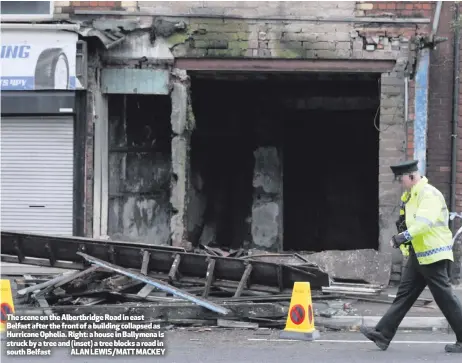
440,106
405,9
410,140
252,8
103,5
265,8
459,151
456,270
67,7
410,121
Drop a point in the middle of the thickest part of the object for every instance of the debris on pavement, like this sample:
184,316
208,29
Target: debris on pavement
210,287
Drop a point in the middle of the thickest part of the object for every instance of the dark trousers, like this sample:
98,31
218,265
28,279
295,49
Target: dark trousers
413,281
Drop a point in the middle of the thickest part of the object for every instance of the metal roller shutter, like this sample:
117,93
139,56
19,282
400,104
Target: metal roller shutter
37,167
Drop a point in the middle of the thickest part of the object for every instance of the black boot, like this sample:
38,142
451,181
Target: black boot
454,348
376,337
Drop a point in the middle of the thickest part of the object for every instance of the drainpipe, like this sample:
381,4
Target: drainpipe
455,112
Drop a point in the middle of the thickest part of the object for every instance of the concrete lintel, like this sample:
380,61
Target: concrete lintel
286,65
135,81
318,19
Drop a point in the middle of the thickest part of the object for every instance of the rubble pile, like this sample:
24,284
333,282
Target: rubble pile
168,285
97,288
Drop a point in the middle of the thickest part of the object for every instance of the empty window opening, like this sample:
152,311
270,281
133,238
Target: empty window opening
285,162
139,168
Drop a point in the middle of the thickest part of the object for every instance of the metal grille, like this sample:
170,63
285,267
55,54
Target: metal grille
37,167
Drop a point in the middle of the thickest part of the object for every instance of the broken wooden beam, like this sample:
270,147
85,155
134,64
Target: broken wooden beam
51,255
145,291
222,284
145,262
244,280
158,284
174,269
209,277
76,276
267,275
43,303
48,283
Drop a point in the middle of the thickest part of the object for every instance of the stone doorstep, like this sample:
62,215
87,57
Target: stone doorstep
408,323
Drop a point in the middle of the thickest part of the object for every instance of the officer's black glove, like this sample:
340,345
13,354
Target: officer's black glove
401,224
399,239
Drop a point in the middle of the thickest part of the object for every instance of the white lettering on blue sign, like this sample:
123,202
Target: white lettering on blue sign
17,83
15,51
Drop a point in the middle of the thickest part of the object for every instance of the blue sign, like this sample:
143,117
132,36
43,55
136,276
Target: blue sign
27,83
33,60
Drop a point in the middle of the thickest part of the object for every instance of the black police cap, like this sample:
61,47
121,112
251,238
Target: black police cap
406,167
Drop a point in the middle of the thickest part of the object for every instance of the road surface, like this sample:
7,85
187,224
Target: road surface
203,345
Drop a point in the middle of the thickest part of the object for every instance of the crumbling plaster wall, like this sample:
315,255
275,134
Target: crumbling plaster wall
213,38
295,40
183,123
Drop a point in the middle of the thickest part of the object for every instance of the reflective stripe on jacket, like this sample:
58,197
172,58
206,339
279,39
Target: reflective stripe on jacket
404,199
427,220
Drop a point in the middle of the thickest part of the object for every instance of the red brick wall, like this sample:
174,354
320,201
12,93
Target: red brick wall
440,106
400,9
410,124
456,268
440,102
96,4
414,9
459,147
100,5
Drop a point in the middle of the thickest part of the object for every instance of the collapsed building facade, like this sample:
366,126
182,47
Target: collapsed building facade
247,125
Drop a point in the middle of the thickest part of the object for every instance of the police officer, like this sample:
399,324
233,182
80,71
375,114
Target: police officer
424,235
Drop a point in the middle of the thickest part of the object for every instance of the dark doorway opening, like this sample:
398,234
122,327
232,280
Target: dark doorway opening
139,168
284,161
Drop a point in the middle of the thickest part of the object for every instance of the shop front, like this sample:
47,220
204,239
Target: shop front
41,179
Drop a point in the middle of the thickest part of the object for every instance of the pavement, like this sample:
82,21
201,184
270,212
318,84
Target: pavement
428,317
215,345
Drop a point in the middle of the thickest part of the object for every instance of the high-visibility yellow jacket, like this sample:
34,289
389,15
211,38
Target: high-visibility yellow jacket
402,210
427,220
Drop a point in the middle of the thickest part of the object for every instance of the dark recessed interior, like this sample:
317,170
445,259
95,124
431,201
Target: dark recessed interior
325,133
